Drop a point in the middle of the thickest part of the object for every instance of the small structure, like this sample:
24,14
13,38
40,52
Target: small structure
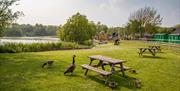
163,37
174,36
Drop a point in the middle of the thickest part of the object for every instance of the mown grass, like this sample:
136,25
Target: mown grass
23,72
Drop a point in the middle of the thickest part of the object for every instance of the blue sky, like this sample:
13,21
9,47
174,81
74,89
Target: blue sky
109,12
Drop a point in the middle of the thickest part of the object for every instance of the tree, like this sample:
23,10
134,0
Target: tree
148,19
165,30
77,29
14,31
101,27
177,26
135,27
39,30
7,16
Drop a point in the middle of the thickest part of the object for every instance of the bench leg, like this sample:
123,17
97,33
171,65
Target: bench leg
86,72
89,64
106,80
103,66
152,52
122,69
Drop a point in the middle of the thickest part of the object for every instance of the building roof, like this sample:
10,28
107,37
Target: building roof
177,31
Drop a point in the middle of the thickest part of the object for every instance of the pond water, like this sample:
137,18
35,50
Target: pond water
26,40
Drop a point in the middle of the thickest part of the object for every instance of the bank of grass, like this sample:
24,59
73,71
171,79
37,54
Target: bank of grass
23,72
37,47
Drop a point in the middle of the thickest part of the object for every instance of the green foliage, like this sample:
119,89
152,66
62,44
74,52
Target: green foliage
135,28
88,43
112,30
35,47
7,16
177,26
77,29
101,27
144,20
17,30
165,30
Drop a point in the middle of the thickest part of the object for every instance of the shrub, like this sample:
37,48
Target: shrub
88,43
36,47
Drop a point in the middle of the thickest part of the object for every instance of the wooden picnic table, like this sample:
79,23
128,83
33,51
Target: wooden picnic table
158,48
103,61
151,50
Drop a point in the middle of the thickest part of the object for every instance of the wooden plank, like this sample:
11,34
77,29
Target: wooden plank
102,72
125,67
106,59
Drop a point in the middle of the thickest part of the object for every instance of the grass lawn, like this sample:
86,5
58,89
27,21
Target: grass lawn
23,72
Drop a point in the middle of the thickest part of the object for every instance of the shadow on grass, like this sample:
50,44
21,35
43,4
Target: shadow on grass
156,57
73,75
126,82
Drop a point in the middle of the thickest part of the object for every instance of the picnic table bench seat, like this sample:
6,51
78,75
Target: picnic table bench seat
102,72
124,67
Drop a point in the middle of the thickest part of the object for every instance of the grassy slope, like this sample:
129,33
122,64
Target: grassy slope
22,71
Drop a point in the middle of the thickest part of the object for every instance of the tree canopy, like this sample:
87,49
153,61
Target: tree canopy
144,20
77,29
19,30
7,16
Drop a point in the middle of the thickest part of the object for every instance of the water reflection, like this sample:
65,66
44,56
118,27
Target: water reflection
27,40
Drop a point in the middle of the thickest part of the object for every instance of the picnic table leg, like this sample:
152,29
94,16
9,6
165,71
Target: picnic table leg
122,69
103,66
106,80
144,51
159,49
140,53
87,69
152,52
112,68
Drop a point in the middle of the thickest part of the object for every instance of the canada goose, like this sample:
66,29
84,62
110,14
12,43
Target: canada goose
49,63
133,71
71,68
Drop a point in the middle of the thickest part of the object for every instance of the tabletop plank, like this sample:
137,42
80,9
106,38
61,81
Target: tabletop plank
106,59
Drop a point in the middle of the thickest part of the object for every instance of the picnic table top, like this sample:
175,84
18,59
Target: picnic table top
106,59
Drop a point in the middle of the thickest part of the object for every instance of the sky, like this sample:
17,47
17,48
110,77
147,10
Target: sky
110,12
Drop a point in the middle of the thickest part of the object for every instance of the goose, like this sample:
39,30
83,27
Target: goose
133,71
49,63
71,68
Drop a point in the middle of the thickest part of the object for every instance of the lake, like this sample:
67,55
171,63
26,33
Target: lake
26,40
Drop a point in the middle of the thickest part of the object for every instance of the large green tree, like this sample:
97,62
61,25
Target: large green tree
7,16
77,29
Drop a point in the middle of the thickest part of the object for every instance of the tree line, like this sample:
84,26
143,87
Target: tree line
21,30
